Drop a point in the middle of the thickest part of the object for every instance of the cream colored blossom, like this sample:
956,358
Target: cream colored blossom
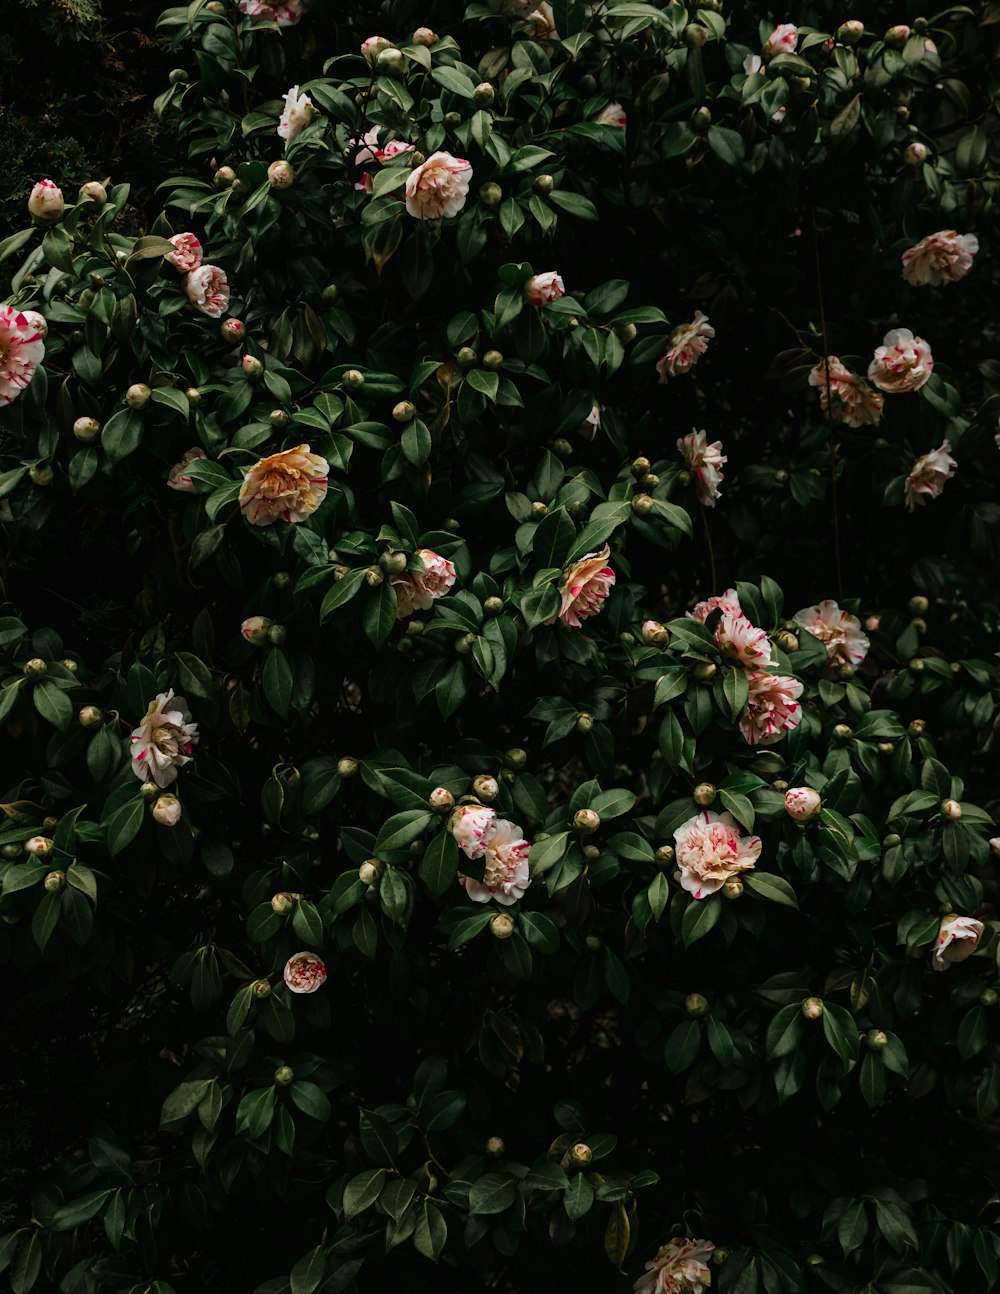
679,1268
704,461
958,938
164,741
939,258
417,590
742,641
288,486
709,850
902,363
286,13
728,603
848,398
207,289
506,862
540,24
783,40
928,475
439,187
613,115
297,113
472,825
304,972
839,632
688,343
541,289
585,585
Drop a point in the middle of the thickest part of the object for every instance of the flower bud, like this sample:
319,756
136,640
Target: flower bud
590,852
404,411
465,643
192,395
38,846
86,430
368,873
640,466
701,118
696,1005
655,634
224,177
374,577
54,883
483,95
876,1040
486,788
262,988
492,360
705,671
232,329
414,628
493,606
918,605
951,809
642,505
501,925
786,641
149,791
733,888
539,510
90,716
466,356
995,845
495,1148
626,332
353,379
515,757
650,481
491,194
423,36
10,851
373,46
584,722
41,474
704,794
441,800
391,61
280,175
137,396
393,563
665,855
283,902
35,667
284,1075
252,367
917,665
988,997
543,184
695,35
45,201
915,154
93,192
167,810
586,821
842,732
813,1008
347,766
562,447
802,803
919,624
896,37
255,629
850,32
276,635
581,1154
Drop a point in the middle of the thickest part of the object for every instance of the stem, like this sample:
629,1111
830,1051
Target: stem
711,550
829,420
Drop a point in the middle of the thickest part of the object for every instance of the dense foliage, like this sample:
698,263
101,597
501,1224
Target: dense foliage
499,661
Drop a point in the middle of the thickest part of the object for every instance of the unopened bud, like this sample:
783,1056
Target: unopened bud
391,61
581,1154
137,396
424,36
255,629
695,35
665,855
486,788
842,732
374,577
353,379
284,1075
54,883
86,430
543,184
915,153
465,643
231,329
393,563
640,466
695,1004
404,411
812,1008
483,95
493,606
90,716
368,873
501,925
41,474
93,192
276,635
584,722
35,667
733,888
38,846
495,1148
951,809
493,359
466,356
850,32
896,37
988,997
280,175
876,1040
224,177
642,505
802,803
283,902
786,641
252,367
167,810
655,634
586,821
701,118
704,794
491,194
441,800
515,757
149,791
261,988
626,332
705,671
347,766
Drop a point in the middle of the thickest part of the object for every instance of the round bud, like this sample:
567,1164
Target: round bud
590,852
696,1005
167,810
733,888
539,510
642,505
252,367
424,36
465,643
283,902
149,791
917,665
224,177
393,563
896,37
347,766
581,1154
178,76
452,119
812,1008
35,667
90,716
850,32
486,788
391,61
586,821
491,194
515,757
501,925
951,809
584,722
262,988
842,732
405,411
41,474
467,356
989,997
695,35
655,634
704,794
414,627
876,1040
284,1075
786,641
640,466
665,855
137,396
915,153
368,872
353,379
441,800
493,606
918,605
280,175
276,635
626,332
86,430
650,481
705,671
701,118
54,883
779,784
10,851
231,329
802,803
562,447
192,395
483,95
94,192
508,776
374,577
919,624
492,359
543,184
495,1148
279,419
38,846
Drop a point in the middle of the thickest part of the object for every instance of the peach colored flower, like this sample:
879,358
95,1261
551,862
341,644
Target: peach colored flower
613,115
45,202
540,24
288,486
586,584
850,400
506,876
939,258
439,187
164,741
743,642
928,475
839,631
286,13
178,478
704,462
418,589
297,113
802,803
472,825
688,343
678,1268
958,938
21,351
710,849
304,972
207,289
728,602
782,40
186,255
902,363
541,289
772,709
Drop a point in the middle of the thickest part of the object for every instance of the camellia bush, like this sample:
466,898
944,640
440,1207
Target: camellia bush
499,667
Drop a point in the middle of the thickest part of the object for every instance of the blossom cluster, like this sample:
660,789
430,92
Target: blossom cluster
480,833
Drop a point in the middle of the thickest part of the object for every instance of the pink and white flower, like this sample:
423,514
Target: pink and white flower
928,475
783,40
613,115
744,642
772,708
179,479
164,741
417,590
541,289
847,398
45,202
439,187
728,602
841,634
473,825
297,113
21,351
288,486
939,258
688,343
304,972
958,938
186,255
802,803
709,850
394,148
540,24
207,289
255,630
585,585
678,1268
286,13
902,363
704,462
506,876
37,323
590,426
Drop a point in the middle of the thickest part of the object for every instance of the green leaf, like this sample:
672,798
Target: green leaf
123,825
439,864
362,1191
578,1198
492,1193
772,887
311,1100
53,704
278,680
307,1273
700,916
342,591
739,806
121,434
76,1212
399,831
380,613
545,854
378,1138
431,1231
613,803
539,931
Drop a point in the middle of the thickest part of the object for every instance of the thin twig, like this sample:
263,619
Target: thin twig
711,550
829,420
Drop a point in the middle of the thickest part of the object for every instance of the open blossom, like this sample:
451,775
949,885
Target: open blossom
782,40
742,641
186,255
678,1268
416,590
704,462
21,351
772,708
304,972
902,363
612,115
585,585
688,343
439,187
540,24
45,202
286,13
939,258
297,113
839,632
288,486
928,475
164,741
207,289
506,857
540,289
958,938
473,825
710,849
179,478
847,398
728,602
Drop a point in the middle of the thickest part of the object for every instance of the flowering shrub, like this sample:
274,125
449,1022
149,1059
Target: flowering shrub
456,835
